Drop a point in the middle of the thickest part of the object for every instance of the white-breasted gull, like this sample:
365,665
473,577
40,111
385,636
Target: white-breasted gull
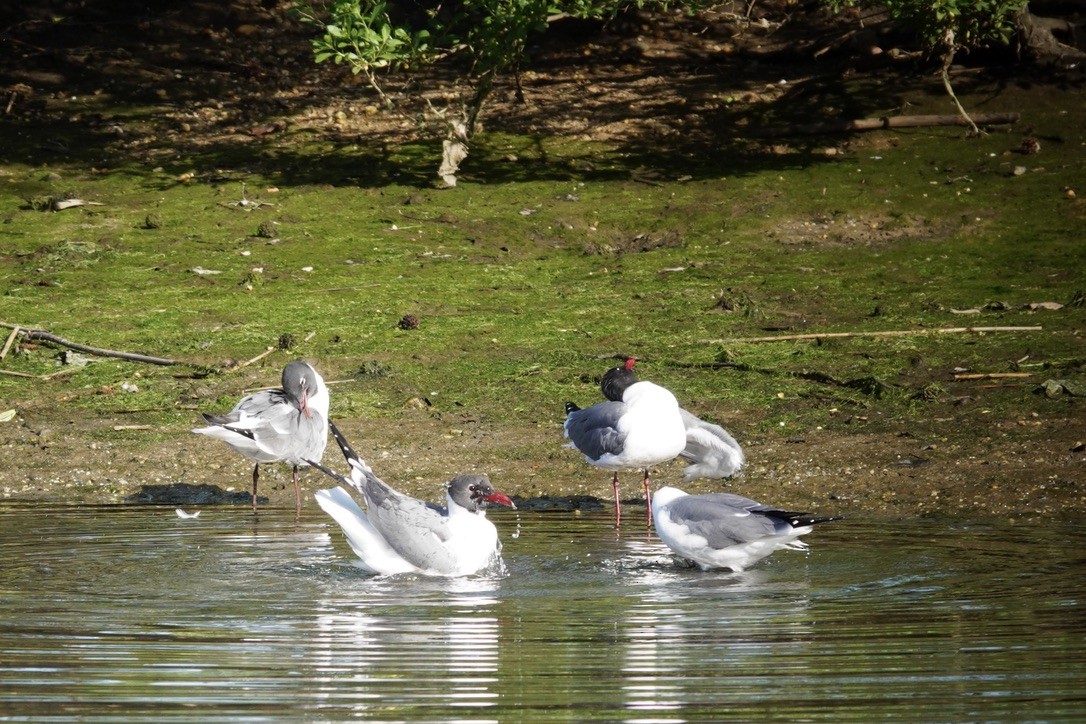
724,530
400,534
286,425
637,427
711,450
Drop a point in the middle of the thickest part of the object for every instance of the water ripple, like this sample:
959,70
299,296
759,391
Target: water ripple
130,612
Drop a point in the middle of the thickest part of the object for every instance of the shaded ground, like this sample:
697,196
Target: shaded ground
211,80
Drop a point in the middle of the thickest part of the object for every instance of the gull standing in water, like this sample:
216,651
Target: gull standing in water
288,425
639,426
722,530
400,534
711,449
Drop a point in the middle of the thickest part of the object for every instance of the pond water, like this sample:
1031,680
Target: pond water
131,612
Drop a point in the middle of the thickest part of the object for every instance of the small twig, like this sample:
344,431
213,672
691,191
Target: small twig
991,375
19,374
891,333
259,357
350,288
11,340
59,373
51,375
50,337
888,122
119,428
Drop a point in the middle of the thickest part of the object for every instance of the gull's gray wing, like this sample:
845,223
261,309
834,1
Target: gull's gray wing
416,530
724,519
594,430
713,451
251,408
276,427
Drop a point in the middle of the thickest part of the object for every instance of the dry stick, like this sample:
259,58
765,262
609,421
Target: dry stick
259,357
50,337
991,375
892,333
874,124
59,373
19,374
11,339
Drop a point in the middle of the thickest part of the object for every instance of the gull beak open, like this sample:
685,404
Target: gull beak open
500,499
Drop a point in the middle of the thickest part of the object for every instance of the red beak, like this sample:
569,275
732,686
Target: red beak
630,362
500,499
305,404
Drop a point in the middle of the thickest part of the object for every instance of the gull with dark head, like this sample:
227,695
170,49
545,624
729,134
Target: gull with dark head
400,534
639,426
286,425
711,450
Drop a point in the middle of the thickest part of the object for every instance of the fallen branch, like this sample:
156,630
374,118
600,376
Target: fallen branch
13,373
41,334
887,122
891,333
991,375
11,339
259,357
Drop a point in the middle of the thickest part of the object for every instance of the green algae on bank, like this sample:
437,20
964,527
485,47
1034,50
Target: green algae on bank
555,255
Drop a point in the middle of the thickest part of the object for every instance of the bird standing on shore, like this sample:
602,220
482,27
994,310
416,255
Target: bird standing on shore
712,450
287,425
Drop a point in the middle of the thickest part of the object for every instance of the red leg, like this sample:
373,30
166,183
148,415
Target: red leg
256,476
297,496
648,501
618,505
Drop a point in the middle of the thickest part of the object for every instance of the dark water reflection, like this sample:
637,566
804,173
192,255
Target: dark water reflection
131,612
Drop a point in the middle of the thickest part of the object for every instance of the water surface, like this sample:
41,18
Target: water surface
125,611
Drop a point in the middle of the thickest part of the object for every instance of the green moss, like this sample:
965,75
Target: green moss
551,257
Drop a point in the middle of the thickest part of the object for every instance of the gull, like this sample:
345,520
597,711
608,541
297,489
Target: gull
712,450
400,534
288,425
724,530
639,426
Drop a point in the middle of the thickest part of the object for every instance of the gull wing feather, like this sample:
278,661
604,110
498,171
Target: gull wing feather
417,531
724,520
374,554
594,430
713,451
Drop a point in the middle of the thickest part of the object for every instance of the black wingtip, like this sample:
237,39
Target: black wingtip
343,444
328,472
240,431
571,408
802,519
